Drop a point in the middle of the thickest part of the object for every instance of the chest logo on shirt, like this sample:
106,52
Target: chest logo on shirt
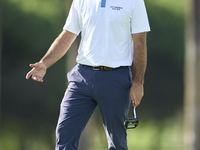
116,8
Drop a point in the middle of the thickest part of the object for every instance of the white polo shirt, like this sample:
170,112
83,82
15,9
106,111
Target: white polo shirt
106,27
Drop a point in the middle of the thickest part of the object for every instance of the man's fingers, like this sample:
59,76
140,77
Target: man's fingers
135,101
29,74
40,79
33,65
37,72
135,104
136,93
37,78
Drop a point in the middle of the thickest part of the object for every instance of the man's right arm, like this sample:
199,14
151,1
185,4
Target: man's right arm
57,50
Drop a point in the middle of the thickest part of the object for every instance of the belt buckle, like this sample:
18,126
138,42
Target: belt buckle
102,68
95,68
106,68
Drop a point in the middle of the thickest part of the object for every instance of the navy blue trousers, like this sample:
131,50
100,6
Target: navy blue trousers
87,88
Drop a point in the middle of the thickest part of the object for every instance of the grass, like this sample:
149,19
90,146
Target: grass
165,134
151,135
157,135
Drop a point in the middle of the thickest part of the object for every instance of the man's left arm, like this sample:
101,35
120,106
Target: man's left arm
139,64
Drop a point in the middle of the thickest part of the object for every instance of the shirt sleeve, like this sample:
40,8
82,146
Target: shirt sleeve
139,18
72,23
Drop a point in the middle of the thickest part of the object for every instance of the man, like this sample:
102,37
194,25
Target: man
113,36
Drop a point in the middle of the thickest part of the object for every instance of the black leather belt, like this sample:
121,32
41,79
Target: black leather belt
103,68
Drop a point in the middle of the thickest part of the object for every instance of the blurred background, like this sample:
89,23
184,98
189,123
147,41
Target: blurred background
29,110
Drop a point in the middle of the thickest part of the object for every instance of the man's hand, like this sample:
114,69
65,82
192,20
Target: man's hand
139,64
38,71
136,92
57,49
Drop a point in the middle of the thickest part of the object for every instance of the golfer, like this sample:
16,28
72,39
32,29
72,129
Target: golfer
113,36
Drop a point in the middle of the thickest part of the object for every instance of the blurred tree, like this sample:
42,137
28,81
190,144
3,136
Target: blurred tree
29,27
0,53
164,76
192,76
